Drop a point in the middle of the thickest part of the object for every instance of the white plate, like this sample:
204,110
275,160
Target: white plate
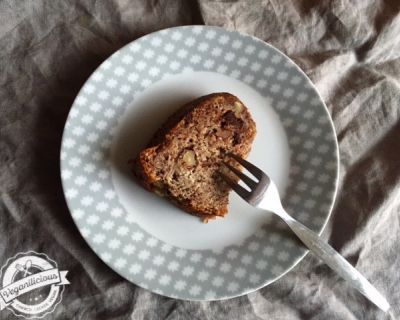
145,238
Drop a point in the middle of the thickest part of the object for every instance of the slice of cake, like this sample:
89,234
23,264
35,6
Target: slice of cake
182,160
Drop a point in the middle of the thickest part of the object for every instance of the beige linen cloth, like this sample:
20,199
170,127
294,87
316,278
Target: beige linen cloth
350,50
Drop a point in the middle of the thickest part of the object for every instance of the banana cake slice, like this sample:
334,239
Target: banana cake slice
182,160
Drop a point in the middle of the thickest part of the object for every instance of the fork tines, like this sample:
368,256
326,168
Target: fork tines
247,180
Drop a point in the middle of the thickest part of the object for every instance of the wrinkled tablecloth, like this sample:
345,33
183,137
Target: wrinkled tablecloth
350,50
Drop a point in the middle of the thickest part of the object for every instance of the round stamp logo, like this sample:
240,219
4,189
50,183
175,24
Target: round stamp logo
31,285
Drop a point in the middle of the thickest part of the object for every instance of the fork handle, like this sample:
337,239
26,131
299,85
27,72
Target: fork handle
336,262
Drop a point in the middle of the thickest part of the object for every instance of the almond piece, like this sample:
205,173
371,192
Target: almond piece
190,158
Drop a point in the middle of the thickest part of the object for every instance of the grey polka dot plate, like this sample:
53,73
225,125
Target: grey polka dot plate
146,239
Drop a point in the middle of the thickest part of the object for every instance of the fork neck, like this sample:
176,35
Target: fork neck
271,202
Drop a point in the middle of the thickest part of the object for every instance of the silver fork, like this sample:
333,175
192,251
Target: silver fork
264,195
